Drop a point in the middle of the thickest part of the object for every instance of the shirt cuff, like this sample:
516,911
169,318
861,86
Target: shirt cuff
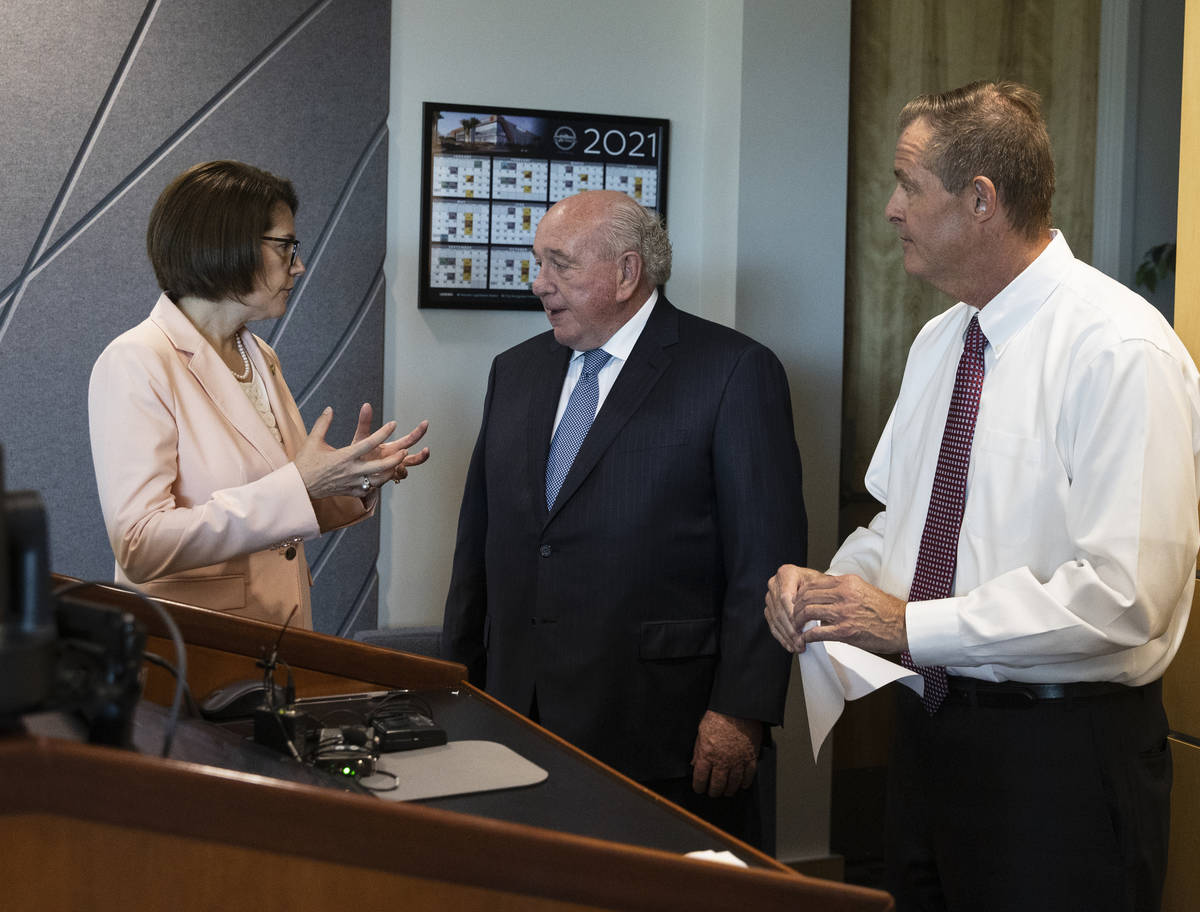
932,628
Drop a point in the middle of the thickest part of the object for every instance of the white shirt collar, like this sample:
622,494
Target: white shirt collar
1004,315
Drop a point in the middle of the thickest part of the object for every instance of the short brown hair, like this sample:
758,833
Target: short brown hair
994,129
204,237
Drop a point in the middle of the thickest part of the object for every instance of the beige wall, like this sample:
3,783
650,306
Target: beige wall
756,94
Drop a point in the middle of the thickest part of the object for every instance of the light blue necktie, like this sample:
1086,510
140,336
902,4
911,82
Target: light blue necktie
575,423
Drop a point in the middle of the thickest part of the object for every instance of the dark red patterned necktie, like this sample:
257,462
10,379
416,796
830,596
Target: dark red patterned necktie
938,555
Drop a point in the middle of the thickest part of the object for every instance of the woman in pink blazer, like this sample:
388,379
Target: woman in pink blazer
208,481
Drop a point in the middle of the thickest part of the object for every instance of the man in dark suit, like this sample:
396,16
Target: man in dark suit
614,595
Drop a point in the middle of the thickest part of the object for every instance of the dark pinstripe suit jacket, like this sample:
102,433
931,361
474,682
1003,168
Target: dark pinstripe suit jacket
636,603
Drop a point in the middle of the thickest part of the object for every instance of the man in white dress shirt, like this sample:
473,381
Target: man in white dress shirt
1042,781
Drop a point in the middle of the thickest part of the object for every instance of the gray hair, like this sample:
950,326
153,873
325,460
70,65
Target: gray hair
633,227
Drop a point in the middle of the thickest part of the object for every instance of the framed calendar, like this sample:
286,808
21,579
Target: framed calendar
489,174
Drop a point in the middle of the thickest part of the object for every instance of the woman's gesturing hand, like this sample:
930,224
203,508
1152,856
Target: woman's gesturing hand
355,469
405,443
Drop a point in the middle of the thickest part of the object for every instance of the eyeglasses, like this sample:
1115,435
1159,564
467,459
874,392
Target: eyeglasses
291,242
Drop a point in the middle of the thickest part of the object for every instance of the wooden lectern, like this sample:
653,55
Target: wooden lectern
91,827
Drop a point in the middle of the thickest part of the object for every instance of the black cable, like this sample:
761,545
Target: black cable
289,690
155,659
268,665
287,739
356,717
176,639
400,701
387,788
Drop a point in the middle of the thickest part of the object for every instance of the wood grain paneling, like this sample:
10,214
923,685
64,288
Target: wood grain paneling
88,827
1182,891
195,874
901,48
1187,267
1181,685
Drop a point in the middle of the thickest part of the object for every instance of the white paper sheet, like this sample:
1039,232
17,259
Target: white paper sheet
836,672
721,857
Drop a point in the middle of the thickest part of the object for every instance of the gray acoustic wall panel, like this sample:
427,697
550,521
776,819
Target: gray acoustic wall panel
50,88
103,104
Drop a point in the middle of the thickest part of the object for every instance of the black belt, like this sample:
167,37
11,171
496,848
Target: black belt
1016,694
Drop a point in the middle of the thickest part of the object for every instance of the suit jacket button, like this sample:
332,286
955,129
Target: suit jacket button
544,550
290,553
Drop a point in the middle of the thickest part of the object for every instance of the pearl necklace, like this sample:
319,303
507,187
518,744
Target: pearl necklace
246,374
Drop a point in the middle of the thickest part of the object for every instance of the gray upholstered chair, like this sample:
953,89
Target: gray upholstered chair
420,640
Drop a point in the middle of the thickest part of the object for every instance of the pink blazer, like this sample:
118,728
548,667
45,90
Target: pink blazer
199,499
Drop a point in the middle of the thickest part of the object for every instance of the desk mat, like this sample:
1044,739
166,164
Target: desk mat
454,768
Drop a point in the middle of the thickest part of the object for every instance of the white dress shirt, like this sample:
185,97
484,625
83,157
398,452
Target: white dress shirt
1077,554
618,346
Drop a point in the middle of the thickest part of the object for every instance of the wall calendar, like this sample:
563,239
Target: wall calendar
489,175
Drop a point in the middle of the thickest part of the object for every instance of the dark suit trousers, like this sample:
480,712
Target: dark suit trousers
1060,805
